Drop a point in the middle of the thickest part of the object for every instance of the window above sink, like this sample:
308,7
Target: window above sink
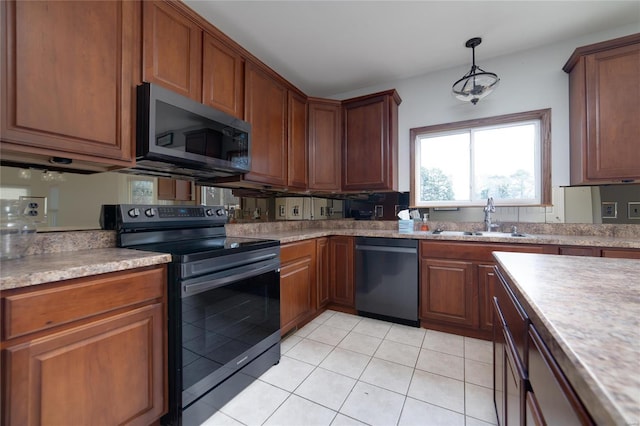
462,164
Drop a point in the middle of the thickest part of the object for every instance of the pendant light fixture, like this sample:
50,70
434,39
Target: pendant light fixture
477,83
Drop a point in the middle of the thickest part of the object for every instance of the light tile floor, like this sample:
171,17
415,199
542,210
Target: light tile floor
344,369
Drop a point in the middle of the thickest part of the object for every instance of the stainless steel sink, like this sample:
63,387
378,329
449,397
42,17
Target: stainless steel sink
480,234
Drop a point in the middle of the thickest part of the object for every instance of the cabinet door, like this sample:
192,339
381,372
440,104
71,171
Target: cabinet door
222,77
295,292
612,93
112,370
325,145
67,73
297,138
486,286
266,110
342,283
172,49
322,268
448,293
297,283
174,189
370,144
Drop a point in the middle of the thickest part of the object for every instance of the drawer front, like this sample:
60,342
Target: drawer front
556,400
515,318
473,251
297,250
41,309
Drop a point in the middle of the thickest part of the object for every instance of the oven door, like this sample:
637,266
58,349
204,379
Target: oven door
227,320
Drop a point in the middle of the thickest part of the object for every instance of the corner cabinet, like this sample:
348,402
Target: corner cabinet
86,349
604,103
297,151
370,142
68,82
325,157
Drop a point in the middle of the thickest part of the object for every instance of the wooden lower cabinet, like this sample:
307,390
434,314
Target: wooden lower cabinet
529,386
457,284
322,269
448,292
297,284
102,357
341,272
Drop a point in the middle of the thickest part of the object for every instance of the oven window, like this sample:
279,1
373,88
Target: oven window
220,326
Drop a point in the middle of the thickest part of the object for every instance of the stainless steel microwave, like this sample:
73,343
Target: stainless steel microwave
179,137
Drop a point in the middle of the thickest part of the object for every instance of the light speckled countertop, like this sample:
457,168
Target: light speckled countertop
587,310
289,236
65,255
51,267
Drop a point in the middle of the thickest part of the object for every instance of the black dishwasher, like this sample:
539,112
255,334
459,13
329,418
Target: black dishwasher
387,279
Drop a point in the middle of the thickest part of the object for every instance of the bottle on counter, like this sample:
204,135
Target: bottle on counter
424,226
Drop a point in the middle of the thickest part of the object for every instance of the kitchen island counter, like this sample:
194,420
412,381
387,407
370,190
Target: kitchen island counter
586,310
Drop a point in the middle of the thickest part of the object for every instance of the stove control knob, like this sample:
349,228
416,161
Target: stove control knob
209,212
135,212
150,212
221,212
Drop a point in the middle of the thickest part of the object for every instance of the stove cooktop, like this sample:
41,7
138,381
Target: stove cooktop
191,250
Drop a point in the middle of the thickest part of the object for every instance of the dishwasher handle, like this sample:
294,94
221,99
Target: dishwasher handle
406,250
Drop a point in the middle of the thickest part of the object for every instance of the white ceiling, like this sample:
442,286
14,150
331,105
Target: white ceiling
329,47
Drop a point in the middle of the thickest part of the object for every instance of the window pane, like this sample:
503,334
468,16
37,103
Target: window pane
444,167
505,163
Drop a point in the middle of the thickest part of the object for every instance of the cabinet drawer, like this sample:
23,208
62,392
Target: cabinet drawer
473,251
621,254
556,400
513,315
297,250
36,310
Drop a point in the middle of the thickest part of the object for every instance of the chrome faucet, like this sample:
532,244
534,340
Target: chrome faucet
488,209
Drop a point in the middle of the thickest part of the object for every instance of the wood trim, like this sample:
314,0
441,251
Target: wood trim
544,115
599,47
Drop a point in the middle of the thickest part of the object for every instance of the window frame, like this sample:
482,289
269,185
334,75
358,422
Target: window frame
541,115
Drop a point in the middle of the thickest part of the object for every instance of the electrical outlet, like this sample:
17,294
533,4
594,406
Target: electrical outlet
609,210
35,208
633,210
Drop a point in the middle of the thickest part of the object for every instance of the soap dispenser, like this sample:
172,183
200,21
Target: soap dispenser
425,225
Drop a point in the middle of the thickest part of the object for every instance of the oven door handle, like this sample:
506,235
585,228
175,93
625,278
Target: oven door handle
238,274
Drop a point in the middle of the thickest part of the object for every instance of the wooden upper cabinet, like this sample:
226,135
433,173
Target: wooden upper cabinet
370,143
297,141
266,110
325,130
604,92
172,49
222,77
68,82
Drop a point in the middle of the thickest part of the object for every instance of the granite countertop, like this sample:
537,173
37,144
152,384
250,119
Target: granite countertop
51,267
289,236
587,310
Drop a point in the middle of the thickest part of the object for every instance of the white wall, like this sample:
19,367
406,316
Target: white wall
529,80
